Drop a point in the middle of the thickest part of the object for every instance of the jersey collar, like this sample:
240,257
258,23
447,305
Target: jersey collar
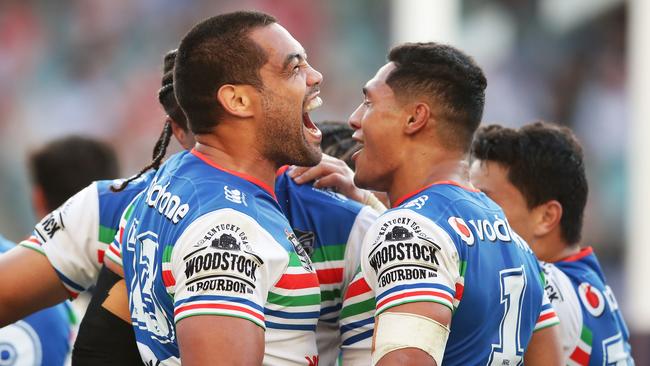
449,182
578,256
247,177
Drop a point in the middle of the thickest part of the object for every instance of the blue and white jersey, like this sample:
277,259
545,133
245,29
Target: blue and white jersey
593,329
42,338
202,240
453,246
75,236
330,227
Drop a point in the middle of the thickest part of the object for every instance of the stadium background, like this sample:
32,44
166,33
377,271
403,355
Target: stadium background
93,67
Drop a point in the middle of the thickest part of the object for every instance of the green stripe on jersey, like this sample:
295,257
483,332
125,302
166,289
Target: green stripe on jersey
463,268
542,277
327,295
167,253
328,253
358,308
106,234
303,300
586,335
129,211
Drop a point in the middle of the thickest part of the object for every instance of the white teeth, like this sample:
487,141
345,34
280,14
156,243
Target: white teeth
313,104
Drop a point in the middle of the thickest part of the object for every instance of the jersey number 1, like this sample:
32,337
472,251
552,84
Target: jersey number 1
509,351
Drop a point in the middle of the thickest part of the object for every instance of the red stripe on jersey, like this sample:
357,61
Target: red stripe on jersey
114,251
33,239
297,281
329,276
121,235
546,316
459,291
218,306
442,295
100,256
580,356
357,288
168,278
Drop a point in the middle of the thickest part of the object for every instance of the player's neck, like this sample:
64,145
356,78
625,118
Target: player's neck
241,158
419,173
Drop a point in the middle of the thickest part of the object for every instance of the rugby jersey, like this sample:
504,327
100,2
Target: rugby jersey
453,246
330,227
205,240
42,338
593,331
75,236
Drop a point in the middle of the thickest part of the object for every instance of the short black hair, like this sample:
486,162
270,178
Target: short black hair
65,166
448,76
545,162
337,141
216,52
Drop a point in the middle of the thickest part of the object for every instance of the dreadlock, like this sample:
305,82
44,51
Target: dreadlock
337,141
168,101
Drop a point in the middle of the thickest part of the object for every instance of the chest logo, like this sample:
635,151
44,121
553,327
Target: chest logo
592,299
461,228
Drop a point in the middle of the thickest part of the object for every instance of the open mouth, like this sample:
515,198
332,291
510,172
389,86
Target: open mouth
312,132
358,148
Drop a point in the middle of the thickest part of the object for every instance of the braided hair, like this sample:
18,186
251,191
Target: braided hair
168,101
337,141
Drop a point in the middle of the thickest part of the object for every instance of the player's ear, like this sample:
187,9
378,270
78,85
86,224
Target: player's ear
417,118
547,217
237,99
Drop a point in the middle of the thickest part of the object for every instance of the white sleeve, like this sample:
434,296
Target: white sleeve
224,263
69,238
406,258
564,300
366,217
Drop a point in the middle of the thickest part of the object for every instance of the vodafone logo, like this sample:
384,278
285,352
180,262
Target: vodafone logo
461,228
592,299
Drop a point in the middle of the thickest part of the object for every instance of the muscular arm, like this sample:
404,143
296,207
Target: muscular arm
219,340
415,356
27,275
544,348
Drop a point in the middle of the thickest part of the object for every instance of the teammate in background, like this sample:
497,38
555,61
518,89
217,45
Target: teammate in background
537,174
444,254
59,169
64,166
210,262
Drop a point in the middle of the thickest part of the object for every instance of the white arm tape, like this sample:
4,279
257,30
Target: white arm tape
405,330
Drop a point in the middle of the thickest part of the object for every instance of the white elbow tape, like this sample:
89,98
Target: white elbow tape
405,330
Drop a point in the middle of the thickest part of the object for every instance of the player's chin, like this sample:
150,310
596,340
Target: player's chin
312,154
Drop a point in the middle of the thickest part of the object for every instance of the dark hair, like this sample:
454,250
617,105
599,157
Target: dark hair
448,76
544,162
337,141
168,101
65,166
216,52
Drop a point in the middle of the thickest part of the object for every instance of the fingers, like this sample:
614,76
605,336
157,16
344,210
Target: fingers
327,166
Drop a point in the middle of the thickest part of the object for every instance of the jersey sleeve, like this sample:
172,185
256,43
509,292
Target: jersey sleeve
562,296
408,258
362,223
222,265
68,237
547,315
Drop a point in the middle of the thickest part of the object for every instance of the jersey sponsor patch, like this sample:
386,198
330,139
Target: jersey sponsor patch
223,261
300,250
50,224
166,203
402,252
592,299
461,228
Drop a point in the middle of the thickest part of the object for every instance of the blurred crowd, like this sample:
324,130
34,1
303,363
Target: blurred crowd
93,68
